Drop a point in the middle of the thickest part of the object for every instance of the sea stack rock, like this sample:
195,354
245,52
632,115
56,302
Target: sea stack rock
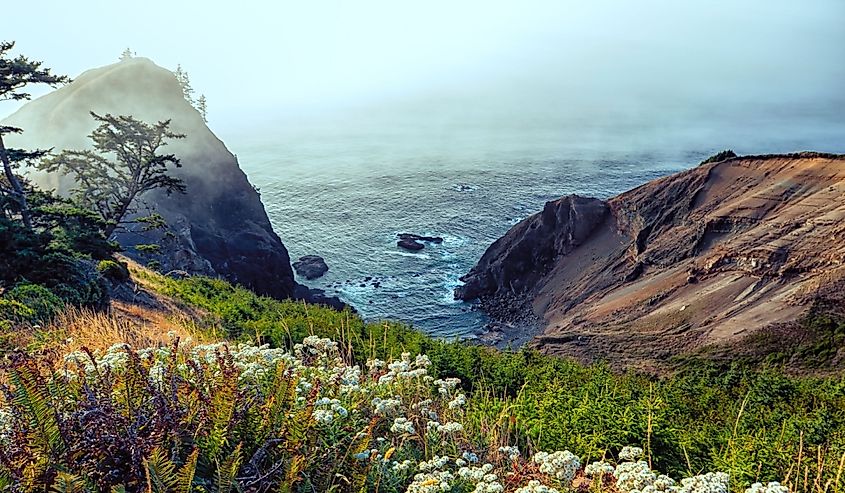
219,226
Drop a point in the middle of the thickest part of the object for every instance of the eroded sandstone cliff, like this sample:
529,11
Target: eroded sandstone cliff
702,258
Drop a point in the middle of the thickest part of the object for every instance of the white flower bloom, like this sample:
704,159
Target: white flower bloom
712,482
458,401
772,487
562,465
598,468
630,454
401,467
469,457
386,407
535,486
323,416
512,453
402,425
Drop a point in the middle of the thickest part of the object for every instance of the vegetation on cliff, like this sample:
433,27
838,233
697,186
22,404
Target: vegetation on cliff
318,407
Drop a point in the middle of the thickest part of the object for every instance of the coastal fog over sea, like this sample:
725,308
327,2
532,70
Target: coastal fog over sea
343,185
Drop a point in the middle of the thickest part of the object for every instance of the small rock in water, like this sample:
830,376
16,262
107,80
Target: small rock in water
311,267
410,241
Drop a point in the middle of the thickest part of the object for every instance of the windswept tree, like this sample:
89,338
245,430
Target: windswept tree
126,163
15,75
185,84
202,107
126,55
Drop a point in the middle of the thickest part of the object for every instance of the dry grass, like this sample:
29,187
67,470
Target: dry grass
135,325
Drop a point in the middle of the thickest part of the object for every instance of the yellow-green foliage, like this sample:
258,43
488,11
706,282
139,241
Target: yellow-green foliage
114,270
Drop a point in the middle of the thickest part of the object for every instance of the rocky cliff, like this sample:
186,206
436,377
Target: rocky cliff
219,226
704,258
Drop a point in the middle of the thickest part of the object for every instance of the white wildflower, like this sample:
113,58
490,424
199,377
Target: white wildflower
562,465
630,454
535,486
598,468
712,482
402,425
772,487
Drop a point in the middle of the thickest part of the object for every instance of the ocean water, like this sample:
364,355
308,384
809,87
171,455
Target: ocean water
342,187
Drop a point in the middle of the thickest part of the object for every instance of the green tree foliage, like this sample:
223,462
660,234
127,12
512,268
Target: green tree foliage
56,254
125,164
15,75
720,156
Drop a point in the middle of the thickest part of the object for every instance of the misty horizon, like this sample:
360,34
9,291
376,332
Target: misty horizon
291,64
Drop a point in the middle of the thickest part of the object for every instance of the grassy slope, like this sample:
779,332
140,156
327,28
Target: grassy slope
755,423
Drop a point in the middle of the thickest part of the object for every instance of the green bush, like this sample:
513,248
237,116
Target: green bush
40,300
14,312
149,249
58,253
113,270
720,156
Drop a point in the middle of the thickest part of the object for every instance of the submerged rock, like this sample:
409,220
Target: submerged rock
412,242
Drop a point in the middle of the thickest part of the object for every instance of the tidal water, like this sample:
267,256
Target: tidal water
343,186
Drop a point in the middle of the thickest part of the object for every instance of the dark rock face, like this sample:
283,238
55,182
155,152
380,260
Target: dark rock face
412,242
516,262
311,267
219,226
319,297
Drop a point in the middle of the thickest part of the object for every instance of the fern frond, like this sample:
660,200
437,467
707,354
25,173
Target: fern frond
228,470
161,472
32,398
185,477
68,483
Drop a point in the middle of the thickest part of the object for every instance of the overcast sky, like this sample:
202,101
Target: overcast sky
264,57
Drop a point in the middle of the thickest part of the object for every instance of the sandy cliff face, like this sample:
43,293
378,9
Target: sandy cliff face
702,258
219,227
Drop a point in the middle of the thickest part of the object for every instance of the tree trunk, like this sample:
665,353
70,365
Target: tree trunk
17,188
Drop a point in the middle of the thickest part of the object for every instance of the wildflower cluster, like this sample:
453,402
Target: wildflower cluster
561,465
772,487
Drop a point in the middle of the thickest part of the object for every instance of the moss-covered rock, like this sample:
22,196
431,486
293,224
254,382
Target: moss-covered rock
113,270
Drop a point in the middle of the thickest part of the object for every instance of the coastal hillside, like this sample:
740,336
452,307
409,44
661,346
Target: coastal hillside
217,227
730,256
197,385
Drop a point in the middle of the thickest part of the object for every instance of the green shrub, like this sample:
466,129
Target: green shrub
113,270
40,300
14,312
720,156
151,248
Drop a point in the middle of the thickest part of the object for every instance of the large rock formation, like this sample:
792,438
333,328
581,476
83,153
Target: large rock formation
703,258
219,227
